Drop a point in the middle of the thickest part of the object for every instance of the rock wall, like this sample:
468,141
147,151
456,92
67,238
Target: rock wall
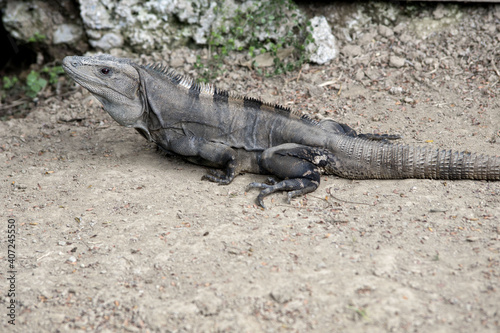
35,20
147,26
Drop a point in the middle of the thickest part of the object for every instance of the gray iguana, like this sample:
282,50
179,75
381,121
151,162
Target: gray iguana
233,134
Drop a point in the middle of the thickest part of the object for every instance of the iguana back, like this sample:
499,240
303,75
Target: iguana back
178,104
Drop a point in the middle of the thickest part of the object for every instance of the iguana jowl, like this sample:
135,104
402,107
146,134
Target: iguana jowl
235,134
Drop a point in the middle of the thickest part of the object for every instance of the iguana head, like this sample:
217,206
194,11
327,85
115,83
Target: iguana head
114,82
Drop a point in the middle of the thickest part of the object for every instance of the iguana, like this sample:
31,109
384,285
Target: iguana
233,134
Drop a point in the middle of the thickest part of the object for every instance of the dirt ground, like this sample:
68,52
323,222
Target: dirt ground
113,237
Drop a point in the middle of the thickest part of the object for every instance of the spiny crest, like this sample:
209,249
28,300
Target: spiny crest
181,80
221,92
264,106
253,102
223,95
257,103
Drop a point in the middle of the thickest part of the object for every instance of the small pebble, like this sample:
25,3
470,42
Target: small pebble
385,31
395,61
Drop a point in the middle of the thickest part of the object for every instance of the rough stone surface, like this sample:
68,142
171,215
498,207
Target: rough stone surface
140,26
25,19
351,50
385,31
45,22
396,61
67,33
40,21
157,25
108,41
324,48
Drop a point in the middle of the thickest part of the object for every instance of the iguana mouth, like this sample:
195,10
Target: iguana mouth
82,79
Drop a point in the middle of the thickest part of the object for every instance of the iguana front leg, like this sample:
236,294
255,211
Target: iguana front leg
298,165
221,177
200,151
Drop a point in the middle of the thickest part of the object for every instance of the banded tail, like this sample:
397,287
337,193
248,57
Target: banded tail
358,158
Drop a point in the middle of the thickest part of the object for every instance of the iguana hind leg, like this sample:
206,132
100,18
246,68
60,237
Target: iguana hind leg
298,166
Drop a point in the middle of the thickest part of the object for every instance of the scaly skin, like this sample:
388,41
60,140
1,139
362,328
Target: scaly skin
236,134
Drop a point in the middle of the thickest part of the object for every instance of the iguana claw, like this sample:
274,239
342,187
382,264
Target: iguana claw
260,197
218,176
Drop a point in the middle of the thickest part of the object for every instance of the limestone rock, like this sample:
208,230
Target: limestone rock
324,48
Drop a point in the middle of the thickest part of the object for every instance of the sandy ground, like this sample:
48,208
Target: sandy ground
113,237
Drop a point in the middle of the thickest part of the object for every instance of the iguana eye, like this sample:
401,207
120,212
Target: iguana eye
105,70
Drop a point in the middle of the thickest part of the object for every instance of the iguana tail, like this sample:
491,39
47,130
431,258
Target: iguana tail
358,158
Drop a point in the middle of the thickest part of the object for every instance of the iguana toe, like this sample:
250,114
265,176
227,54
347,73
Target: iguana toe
218,176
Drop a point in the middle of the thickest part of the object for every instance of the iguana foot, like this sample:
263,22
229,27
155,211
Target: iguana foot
260,197
218,176
221,177
295,187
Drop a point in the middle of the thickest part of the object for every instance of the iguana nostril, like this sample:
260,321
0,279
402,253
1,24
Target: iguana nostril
68,61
